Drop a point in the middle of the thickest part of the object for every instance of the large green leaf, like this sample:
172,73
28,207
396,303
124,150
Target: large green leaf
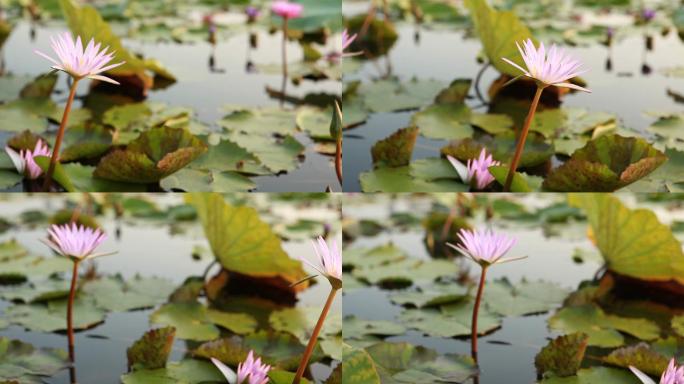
22,363
241,241
154,155
358,367
605,164
395,150
632,241
499,31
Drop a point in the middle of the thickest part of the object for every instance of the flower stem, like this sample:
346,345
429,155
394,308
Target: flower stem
70,310
285,28
476,310
60,136
338,159
314,337
522,138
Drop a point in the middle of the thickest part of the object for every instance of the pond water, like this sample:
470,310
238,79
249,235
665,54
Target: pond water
507,354
446,54
144,248
205,90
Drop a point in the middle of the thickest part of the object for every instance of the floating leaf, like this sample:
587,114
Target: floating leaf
276,154
240,323
454,320
603,329
358,367
444,121
396,150
51,317
392,95
433,295
196,180
154,155
355,328
640,356
22,363
524,298
386,179
186,371
190,320
562,356
605,164
594,375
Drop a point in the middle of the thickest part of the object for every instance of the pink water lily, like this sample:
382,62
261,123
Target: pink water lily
552,68
75,241
286,9
24,159
78,62
672,375
476,171
347,40
328,260
485,247
250,371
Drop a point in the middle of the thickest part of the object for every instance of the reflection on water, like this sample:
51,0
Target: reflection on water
509,352
147,248
209,77
625,90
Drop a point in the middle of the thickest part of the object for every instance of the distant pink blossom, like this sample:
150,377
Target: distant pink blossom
672,375
78,62
476,171
250,371
485,247
75,241
24,159
554,67
286,9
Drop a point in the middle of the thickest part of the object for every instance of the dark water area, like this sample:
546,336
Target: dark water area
446,55
200,88
146,248
506,355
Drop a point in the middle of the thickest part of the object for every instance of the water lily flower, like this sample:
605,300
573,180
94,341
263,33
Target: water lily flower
648,14
76,242
476,171
347,40
250,371
485,247
672,375
329,260
552,68
286,9
23,160
252,13
79,62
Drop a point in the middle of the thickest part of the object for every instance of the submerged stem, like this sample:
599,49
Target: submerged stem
522,138
314,337
60,136
70,307
476,310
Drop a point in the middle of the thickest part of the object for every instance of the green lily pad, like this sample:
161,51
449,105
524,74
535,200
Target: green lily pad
392,95
522,182
315,121
301,321
190,320
605,164
406,363
652,252
154,155
186,371
276,154
395,150
399,179
115,294
9,179
444,121
452,321
604,330
36,290
563,355
524,298
81,177
603,375
432,168
51,317
281,350
22,363
152,350
502,146
355,328
433,295
228,156
406,272
84,143
197,180
241,241
239,323
261,122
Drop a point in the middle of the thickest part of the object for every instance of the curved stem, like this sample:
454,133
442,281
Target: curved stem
477,82
522,138
338,159
314,337
476,310
60,136
285,28
70,310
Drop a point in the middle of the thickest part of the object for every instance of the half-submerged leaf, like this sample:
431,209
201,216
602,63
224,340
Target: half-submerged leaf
152,350
154,155
562,356
395,150
606,164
